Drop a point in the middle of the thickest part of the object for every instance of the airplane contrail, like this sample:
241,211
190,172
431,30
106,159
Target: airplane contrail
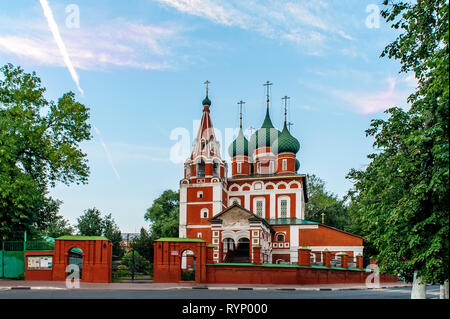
108,154
62,48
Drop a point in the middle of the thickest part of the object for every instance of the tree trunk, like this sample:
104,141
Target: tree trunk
419,289
443,294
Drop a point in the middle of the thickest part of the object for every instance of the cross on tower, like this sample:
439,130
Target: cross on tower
285,98
267,84
289,124
207,82
240,112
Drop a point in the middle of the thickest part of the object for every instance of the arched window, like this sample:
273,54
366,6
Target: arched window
199,194
283,206
201,169
259,206
188,171
280,237
216,169
204,213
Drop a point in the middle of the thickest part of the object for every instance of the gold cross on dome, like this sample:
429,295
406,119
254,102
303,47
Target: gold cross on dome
207,82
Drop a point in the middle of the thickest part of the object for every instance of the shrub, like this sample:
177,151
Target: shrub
141,265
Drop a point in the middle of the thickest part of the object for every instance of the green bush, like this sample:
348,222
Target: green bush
141,265
188,276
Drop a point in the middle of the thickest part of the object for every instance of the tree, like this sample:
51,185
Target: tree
91,223
164,215
140,263
39,146
58,227
321,201
112,231
143,244
402,195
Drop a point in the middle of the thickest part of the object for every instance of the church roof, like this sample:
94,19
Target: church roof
290,221
264,136
253,217
239,147
286,143
206,101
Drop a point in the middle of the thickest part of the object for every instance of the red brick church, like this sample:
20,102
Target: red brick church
262,204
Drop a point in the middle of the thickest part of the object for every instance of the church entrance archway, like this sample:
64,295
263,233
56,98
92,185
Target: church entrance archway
242,253
188,265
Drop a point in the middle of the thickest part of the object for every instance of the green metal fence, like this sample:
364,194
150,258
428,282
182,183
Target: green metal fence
39,245
12,256
1,263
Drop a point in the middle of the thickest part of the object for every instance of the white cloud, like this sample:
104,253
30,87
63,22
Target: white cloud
117,43
308,24
394,94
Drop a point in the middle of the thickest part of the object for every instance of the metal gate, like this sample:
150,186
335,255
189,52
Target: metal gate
75,258
12,260
12,256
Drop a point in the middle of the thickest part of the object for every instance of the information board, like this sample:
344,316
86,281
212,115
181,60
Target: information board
39,262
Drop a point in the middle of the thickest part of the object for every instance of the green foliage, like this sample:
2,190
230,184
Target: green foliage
143,244
39,146
188,275
321,201
57,227
401,199
164,215
141,265
91,223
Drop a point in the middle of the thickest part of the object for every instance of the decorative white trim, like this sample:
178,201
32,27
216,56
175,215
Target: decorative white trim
198,226
288,206
257,199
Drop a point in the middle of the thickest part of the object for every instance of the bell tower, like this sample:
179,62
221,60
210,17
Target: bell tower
203,188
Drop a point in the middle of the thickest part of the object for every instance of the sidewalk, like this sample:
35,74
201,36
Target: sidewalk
56,285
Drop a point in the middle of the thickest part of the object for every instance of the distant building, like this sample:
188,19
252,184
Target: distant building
126,239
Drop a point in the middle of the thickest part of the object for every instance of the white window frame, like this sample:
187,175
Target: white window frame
199,194
284,165
288,206
258,168
255,205
203,211
272,167
239,167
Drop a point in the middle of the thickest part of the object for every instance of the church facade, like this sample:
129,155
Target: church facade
258,209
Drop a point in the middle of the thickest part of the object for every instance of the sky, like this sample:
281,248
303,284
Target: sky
140,67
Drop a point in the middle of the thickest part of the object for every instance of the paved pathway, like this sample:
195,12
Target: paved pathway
145,285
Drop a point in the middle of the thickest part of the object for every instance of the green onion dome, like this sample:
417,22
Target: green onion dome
286,143
265,136
297,165
206,101
239,147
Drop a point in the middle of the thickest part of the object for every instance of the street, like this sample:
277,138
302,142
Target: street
382,293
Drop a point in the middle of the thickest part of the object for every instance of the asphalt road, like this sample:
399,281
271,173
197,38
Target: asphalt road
385,293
